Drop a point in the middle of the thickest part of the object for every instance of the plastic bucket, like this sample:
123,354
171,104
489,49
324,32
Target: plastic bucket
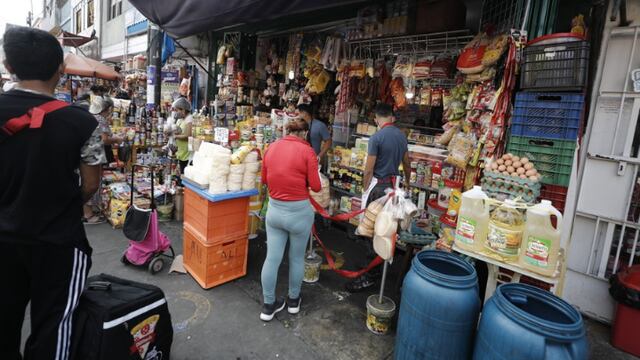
380,314
312,268
165,212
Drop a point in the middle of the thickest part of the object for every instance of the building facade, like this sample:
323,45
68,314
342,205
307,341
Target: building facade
124,31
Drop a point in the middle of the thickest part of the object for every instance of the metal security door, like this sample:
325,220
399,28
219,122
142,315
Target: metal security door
606,227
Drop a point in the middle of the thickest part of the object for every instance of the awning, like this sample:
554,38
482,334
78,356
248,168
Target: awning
190,17
68,39
83,66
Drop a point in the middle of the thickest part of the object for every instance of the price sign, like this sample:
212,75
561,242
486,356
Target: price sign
221,135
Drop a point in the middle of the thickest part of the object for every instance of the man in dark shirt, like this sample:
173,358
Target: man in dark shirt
45,249
388,148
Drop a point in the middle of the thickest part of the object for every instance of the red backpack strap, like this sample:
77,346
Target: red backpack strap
33,118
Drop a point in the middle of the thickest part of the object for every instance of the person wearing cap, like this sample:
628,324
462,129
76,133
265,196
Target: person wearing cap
182,113
101,107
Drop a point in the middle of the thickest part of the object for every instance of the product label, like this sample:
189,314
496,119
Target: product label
537,252
504,241
466,230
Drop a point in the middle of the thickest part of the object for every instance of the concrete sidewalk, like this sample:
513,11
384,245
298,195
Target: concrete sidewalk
223,323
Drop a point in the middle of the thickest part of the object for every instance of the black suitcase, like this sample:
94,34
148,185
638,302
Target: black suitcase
121,319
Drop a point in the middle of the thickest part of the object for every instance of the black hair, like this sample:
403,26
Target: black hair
383,110
305,108
82,97
32,54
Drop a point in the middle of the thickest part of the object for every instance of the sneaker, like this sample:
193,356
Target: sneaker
270,310
293,305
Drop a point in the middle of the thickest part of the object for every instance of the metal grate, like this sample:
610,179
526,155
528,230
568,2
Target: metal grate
417,45
503,15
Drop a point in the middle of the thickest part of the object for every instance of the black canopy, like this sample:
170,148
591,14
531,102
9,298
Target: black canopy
190,17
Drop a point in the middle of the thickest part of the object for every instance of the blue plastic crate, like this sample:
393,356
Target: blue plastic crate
547,115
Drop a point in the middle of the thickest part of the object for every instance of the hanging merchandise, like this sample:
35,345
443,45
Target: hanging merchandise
461,149
397,91
470,60
422,68
403,67
495,49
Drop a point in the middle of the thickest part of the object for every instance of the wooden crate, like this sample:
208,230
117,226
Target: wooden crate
214,264
215,222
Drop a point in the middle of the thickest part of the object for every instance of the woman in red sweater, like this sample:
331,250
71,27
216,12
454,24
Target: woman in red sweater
289,169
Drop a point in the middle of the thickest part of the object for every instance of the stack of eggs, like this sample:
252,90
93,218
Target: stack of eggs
514,166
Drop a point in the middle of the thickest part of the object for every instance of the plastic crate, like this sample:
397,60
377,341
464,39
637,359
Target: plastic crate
547,115
215,222
560,66
211,265
556,194
552,158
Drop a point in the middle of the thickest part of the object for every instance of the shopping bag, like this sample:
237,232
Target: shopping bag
136,223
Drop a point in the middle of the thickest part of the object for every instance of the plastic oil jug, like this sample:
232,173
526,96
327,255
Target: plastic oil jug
473,219
506,227
541,241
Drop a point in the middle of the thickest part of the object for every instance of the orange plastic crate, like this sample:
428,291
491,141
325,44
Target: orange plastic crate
215,222
212,265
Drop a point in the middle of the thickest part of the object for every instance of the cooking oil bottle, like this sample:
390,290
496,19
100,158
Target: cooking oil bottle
473,219
541,240
506,227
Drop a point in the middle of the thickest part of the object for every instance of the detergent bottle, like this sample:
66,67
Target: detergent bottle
541,240
473,219
506,227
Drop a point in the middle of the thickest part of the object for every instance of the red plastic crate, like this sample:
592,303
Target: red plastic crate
557,194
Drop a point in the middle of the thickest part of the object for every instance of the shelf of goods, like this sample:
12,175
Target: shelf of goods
495,276
215,235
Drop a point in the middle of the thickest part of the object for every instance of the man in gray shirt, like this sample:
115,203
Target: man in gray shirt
388,148
319,136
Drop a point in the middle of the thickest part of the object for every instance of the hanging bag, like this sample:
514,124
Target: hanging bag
137,221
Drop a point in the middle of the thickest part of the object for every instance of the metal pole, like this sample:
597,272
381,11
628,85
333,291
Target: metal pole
384,277
155,58
310,254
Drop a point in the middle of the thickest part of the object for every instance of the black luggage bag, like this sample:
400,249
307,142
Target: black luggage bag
121,319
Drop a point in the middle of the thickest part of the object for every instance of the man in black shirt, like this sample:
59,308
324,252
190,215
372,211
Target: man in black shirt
46,256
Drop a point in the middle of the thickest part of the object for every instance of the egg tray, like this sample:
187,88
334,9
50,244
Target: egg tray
496,184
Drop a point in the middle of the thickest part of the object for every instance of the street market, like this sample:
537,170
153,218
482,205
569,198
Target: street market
357,180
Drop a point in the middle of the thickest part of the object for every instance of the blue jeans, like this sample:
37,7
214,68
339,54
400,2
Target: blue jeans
286,221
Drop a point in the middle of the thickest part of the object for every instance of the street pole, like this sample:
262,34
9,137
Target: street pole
155,58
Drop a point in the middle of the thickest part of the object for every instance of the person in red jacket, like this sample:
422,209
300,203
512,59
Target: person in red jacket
289,169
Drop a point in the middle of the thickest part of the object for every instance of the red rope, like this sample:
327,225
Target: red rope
332,265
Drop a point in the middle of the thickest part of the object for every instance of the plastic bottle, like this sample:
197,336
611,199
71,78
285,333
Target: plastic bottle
541,241
506,227
473,220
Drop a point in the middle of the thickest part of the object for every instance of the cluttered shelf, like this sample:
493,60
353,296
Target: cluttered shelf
342,191
352,169
423,187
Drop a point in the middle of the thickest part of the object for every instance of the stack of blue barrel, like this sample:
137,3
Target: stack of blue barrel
440,308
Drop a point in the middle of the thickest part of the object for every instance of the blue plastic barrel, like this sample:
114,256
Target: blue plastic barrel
439,308
526,323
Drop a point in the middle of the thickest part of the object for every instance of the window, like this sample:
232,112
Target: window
90,13
78,18
114,9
